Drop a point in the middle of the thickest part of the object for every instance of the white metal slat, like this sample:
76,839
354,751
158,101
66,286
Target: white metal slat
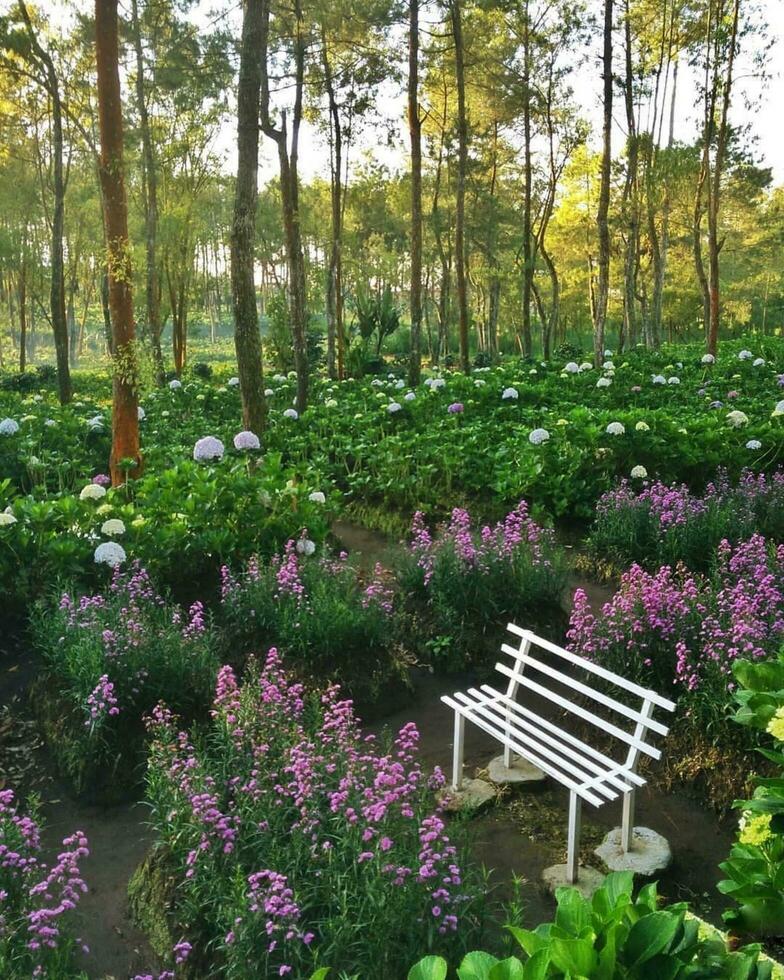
580,711
592,668
561,733
541,763
584,757
599,696
484,708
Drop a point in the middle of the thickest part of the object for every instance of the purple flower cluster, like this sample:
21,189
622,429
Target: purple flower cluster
290,776
35,899
687,629
101,701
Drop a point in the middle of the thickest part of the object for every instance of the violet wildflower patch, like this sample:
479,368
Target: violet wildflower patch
299,840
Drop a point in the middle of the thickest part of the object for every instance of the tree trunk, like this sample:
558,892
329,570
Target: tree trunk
335,332
150,202
23,315
125,420
602,217
415,134
462,166
247,339
630,196
661,271
528,262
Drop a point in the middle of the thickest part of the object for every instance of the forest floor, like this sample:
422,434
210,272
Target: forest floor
524,832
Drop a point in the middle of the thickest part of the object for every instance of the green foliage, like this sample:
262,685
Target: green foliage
376,315
755,867
612,936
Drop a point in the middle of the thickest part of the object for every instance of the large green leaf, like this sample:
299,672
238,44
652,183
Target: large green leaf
649,936
429,968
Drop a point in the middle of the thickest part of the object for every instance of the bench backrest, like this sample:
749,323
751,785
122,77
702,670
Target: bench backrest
528,670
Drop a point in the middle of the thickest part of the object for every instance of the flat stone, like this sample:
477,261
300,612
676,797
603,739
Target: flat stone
518,774
588,881
474,794
650,853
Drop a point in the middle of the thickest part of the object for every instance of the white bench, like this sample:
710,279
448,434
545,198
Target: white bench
586,772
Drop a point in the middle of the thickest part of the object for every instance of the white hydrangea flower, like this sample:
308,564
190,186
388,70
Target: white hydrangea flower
330,403
246,440
305,546
737,419
642,427
479,382
409,396
95,424
673,380
279,378
49,423
608,353
376,382
572,367
393,407
533,371
586,366
745,355
603,383
758,362
538,436
753,444
269,392
608,366
708,359
175,384
291,413
109,553
92,491
6,518
208,448
658,379
639,473
317,497
9,427
113,527
510,393
400,383
233,382
779,409
141,414
616,429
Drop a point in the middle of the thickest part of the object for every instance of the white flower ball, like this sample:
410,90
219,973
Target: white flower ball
317,497
246,440
708,359
400,383
49,423
208,448
658,379
393,407
753,444
233,382
376,382
639,473
291,413
758,362
616,429
109,553
330,403
92,491
6,518
175,384
9,427
779,409
279,378
745,355
141,414
586,366
479,382
305,546
409,396
736,419
642,427
608,353
269,392
538,436
603,383
673,380
608,366
510,393
572,367
113,527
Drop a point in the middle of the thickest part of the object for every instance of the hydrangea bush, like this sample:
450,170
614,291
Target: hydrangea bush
661,524
328,620
470,581
109,658
37,899
293,841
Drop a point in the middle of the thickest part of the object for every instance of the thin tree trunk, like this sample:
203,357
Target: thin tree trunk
335,332
462,166
247,338
602,217
630,196
23,315
150,200
528,259
125,420
415,133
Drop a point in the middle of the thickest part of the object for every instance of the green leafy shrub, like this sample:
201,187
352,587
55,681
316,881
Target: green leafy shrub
612,936
755,867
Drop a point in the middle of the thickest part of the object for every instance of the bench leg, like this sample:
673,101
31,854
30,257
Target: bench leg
457,755
508,757
573,852
627,823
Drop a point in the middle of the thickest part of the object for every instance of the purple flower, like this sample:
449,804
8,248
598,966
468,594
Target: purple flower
456,408
102,480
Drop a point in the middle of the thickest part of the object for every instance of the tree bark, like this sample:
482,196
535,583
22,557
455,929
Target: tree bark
630,195
150,201
335,327
602,217
528,259
125,420
247,339
415,134
462,167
